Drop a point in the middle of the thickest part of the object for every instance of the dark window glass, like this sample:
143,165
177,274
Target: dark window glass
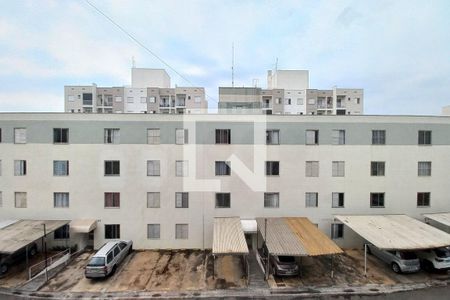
87,98
223,168
112,231
60,135
376,199
223,136
223,200
272,168
424,137
112,167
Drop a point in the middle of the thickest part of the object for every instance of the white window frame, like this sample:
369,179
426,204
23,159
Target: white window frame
311,169
20,135
153,200
424,168
338,169
153,168
335,200
20,199
60,168
271,200
312,137
153,136
20,167
337,231
311,199
182,168
112,136
272,137
181,200
222,168
153,231
61,200
338,137
218,198
181,136
181,231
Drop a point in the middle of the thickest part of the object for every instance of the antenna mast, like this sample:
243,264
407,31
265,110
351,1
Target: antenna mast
232,64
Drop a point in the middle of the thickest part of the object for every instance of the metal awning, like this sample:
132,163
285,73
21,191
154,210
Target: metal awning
396,232
279,238
83,225
312,238
249,226
21,233
229,237
442,218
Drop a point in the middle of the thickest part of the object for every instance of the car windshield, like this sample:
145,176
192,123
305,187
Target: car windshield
286,259
97,261
442,252
408,255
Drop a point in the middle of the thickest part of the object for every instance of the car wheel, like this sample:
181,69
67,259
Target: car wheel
3,269
395,267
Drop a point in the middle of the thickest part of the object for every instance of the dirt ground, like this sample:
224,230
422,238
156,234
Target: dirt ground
349,270
154,270
18,274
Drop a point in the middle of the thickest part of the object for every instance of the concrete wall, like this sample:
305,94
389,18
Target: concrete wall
136,94
143,78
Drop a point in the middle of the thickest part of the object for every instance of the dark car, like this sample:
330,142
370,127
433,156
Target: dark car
20,255
280,265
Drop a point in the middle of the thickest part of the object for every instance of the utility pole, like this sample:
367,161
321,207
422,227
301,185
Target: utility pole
45,252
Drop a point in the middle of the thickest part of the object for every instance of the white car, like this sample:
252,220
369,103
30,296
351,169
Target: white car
437,259
106,260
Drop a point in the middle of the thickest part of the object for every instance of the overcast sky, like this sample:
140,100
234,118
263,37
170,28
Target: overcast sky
398,51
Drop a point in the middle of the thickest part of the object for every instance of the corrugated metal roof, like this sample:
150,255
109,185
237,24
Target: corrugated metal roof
280,239
396,232
229,237
16,236
443,218
312,238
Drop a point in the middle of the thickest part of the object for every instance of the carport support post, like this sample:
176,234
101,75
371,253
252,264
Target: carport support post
214,266
26,259
332,271
45,252
365,259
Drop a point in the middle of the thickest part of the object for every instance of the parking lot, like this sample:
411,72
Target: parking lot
154,270
349,271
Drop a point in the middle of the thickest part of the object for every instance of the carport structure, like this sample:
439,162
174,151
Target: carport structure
229,239
19,234
395,232
295,236
442,219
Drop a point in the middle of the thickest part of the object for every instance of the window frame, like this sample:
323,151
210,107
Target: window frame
65,202
339,200
184,235
61,133
270,137
220,165
112,167
424,138
337,138
114,199
181,168
225,197
309,171
112,231
307,199
156,139
66,168
377,168
21,169
423,199
424,172
378,137
20,138
24,198
272,168
158,199
316,137
338,168
181,200
223,136
156,225
372,195
184,137
111,136
337,233
156,167
268,200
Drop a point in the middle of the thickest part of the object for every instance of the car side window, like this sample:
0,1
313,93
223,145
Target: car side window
116,251
110,257
122,245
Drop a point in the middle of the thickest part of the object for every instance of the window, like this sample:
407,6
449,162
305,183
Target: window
338,137
424,168
20,199
112,231
143,99
377,168
152,99
376,199
130,99
272,168
153,136
311,199
223,200
299,101
338,169
337,231
223,136
378,137
62,233
20,167
424,137
153,168
153,199
223,168
312,169
181,136
112,167
181,168
87,98
60,168
153,231
112,136
60,200
271,200
337,200
112,200
181,231
272,137
181,200
70,98
197,99
60,135
423,199
118,99
20,135
287,101
312,137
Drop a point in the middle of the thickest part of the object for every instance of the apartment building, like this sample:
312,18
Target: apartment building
288,92
161,179
150,92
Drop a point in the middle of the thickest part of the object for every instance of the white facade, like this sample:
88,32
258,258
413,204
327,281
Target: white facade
87,184
144,77
135,100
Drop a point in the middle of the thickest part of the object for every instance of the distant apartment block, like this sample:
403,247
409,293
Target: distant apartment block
288,92
150,92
